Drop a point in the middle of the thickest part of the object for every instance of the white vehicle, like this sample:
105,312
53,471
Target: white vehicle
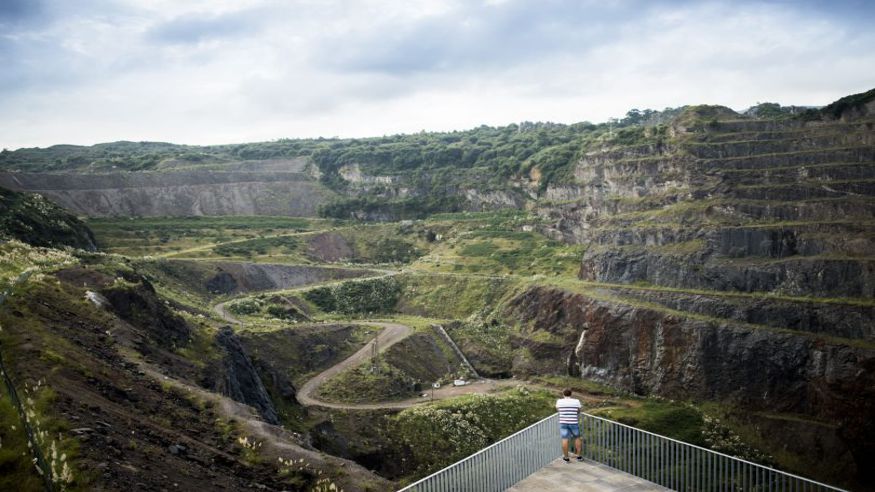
460,382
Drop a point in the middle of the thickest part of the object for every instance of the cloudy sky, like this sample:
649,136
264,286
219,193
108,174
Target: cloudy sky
223,71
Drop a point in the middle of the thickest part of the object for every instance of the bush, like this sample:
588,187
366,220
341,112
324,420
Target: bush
365,384
358,296
436,435
323,298
245,307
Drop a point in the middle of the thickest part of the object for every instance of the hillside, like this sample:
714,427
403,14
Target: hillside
384,178
32,219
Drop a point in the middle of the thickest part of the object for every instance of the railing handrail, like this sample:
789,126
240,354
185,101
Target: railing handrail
769,468
472,456
718,455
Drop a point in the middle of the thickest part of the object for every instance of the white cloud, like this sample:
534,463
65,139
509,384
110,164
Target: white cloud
215,72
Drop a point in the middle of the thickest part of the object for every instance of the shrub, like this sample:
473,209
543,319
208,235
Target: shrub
358,296
437,435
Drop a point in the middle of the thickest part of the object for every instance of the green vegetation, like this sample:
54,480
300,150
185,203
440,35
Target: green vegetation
16,460
486,344
514,252
774,111
684,422
33,219
194,235
449,296
433,436
18,259
357,296
461,267
704,116
370,244
838,108
130,156
576,384
679,421
382,209
369,383
16,469
284,245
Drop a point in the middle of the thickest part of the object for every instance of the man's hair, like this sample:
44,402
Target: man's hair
566,392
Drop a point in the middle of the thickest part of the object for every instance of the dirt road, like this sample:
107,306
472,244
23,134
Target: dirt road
392,333
222,308
222,311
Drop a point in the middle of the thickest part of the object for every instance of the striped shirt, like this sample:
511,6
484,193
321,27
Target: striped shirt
568,409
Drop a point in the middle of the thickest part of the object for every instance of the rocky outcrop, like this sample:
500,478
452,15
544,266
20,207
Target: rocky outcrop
33,219
848,320
139,304
491,200
239,379
648,351
815,276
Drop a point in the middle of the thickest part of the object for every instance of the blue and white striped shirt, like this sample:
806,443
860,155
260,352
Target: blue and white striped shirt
568,409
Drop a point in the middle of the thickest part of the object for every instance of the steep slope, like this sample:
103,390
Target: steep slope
32,219
117,383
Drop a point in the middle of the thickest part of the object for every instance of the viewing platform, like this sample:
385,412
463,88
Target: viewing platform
587,476
617,457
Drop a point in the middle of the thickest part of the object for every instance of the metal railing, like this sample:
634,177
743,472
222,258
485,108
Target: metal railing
681,466
500,465
658,459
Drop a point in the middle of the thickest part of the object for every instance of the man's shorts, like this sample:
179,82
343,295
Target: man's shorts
567,431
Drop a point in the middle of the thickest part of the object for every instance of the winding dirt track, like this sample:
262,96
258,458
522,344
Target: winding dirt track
391,334
223,313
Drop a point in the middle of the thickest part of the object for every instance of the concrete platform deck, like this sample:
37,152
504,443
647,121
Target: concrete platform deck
587,476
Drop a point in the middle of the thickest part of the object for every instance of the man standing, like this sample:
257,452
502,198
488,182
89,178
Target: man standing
569,424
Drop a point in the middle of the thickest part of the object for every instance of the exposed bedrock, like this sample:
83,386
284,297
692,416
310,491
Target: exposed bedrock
648,351
827,318
743,241
789,143
798,276
862,154
177,193
238,378
141,306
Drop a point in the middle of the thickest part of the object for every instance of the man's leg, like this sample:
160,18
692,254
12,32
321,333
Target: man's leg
565,448
578,446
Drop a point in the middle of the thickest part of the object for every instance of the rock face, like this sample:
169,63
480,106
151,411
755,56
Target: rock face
648,350
178,193
140,306
240,380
